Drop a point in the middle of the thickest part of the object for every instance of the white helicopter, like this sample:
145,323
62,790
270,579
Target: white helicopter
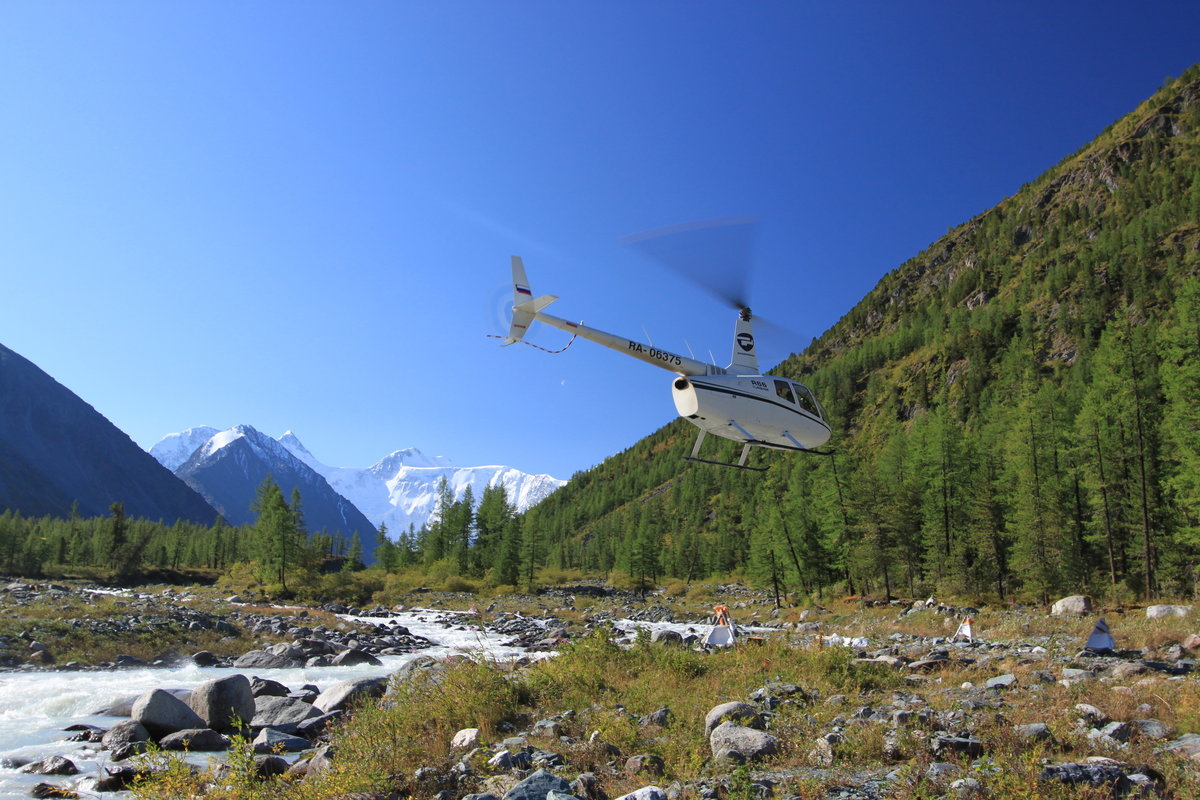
734,402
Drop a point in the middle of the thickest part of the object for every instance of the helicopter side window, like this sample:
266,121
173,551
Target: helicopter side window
808,402
784,390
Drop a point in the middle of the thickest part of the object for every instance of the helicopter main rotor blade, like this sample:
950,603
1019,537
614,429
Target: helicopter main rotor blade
714,255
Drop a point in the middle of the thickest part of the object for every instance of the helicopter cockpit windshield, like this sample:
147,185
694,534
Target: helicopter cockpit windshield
798,394
807,401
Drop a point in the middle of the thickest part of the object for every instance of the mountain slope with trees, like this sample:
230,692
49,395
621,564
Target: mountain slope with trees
1015,410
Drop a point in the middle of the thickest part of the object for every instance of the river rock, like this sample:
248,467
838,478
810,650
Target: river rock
1075,604
203,658
271,740
120,777
322,760
225,704
749,742
279,656
261,687
197,740
54,765
743,713
537,786
345,693
667,636
353,656
314,726
270,766
124,732
283,713
1163,611
162,712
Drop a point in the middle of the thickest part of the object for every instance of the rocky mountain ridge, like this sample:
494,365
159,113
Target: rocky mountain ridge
59,454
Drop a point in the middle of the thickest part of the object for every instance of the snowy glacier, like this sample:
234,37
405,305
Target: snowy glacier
399,490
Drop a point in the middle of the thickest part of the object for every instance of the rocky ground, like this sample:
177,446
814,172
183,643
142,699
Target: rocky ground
850,700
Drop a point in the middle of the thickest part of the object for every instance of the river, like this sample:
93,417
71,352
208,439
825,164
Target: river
35,707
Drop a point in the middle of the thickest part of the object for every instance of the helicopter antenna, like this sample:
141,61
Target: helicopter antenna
648,339
711,358
688,345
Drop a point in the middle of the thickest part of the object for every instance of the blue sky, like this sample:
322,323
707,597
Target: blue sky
300,215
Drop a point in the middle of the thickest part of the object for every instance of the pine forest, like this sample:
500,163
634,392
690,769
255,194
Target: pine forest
1016,413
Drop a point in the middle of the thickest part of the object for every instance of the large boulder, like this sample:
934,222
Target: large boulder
743,713
279,656
225,704
1075,604
345,693
161,712
281,713
1164,611
729,737
124,732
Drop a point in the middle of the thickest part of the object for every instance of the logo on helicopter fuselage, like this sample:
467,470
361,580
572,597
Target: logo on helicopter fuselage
745,341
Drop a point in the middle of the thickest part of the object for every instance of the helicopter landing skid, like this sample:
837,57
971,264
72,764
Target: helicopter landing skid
723,464
741,463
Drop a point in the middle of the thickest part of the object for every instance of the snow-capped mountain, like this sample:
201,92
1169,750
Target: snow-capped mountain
228,467
398,490
176,448
401,488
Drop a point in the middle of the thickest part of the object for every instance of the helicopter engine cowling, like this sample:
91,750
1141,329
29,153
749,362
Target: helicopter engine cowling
761,409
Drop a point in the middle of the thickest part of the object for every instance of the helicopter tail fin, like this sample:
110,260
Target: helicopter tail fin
525,305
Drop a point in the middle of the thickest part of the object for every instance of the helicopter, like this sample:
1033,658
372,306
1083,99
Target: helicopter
734,402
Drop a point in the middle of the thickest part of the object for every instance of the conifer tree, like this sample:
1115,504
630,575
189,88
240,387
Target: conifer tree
276,532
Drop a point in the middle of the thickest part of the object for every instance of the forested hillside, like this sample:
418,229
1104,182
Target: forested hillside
1016,410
